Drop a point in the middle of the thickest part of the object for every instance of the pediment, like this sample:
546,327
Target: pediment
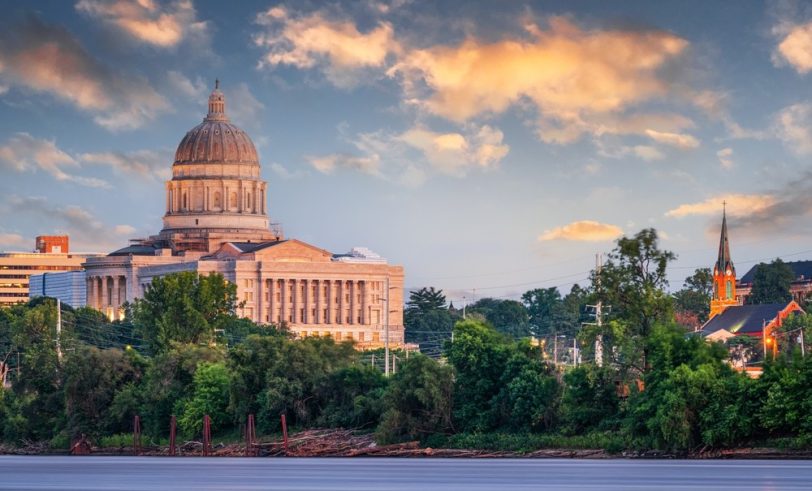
293,251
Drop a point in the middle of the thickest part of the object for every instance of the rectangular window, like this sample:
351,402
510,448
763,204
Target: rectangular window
249,296
376,337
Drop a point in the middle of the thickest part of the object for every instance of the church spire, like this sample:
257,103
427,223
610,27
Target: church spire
724,262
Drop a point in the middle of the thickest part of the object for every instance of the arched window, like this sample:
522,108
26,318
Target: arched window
715,290
185,202
217,200
233,200
729,288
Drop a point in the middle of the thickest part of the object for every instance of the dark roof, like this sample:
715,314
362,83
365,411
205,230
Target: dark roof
135,250
743,319
802,270
255,246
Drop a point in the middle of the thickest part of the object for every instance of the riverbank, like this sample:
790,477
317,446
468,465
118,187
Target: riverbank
349,443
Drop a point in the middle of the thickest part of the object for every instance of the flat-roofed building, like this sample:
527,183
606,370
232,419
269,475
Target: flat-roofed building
16,268
69,287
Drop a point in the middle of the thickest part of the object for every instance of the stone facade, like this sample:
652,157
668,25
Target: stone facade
216,222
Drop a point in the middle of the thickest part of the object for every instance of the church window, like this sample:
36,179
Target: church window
715,290
729,288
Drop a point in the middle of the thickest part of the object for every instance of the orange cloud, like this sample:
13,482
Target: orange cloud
737,205
25,153
795,48
453,153
574,77
304,41
584,230
148,21
677,140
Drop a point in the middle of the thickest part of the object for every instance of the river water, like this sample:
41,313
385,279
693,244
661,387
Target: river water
415,474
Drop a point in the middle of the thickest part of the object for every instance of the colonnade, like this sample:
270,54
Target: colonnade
107,293
319,301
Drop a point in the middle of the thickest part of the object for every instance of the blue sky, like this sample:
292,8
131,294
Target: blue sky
490,146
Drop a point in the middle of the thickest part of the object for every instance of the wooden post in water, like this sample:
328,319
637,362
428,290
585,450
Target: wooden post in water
137,435
206,435
250,437
285,433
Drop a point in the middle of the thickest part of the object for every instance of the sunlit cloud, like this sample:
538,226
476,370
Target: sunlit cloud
194,89
453,153
327,164
160,24
725,156
793,126
584,231
47,58
795,46
14,240
143,163
25,153
677,140
305,41
736,205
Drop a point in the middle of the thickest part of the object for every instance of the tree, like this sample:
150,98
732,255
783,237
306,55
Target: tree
589,399
427,320
695,296
352,397
771,283
506,316
209,397
418,401
184,307
633,282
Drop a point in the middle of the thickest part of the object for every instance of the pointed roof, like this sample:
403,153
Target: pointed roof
724,261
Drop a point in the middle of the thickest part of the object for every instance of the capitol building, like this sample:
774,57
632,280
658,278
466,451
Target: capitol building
216,221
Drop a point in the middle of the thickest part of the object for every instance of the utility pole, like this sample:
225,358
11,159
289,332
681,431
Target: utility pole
575,352
463,307
555,349
599,313
58,330
764,337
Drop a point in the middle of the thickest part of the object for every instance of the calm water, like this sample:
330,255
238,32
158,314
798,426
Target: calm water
145,473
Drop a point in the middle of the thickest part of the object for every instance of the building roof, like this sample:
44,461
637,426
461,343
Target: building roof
216,140
135,250
801,269
743,319
255,246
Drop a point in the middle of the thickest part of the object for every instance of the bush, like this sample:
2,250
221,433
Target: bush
209,397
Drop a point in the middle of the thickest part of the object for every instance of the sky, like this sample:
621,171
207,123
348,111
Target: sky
488,147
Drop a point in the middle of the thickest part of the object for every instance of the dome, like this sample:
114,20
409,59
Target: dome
216,140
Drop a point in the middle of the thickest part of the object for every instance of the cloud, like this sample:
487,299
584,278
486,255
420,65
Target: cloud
676,140
84,228
195,90
795,46
283,172
47,58
150,22
24,153
143,163
725,157
793,125
739,205
647,153
305,41
580,81
454,153
327,164
584,230
13,240
242,106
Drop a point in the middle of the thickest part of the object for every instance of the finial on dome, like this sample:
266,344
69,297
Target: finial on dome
217,104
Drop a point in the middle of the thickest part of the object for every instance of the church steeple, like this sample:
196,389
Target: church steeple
724,273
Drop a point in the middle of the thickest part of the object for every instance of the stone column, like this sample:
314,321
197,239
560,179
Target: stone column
353,303
296,300
365,308
283,300
304,307
271,301
328,301
89,293
340,307
115,301
105,295
316,289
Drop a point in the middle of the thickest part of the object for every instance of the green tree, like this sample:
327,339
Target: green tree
589,399
771,283
352,397
209,397
186,308
695,296
528,400
506,316
427,320
418,401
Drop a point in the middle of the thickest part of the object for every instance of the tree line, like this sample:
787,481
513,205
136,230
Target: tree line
182,350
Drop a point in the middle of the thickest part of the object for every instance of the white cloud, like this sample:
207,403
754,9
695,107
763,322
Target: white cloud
725,157
242,106
740,205
24,153
647,153
127,230
283,172
143,163
327,164
163,25
677,140
47,58
794,127
305,41
584,231
13,240
195,90
454,153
